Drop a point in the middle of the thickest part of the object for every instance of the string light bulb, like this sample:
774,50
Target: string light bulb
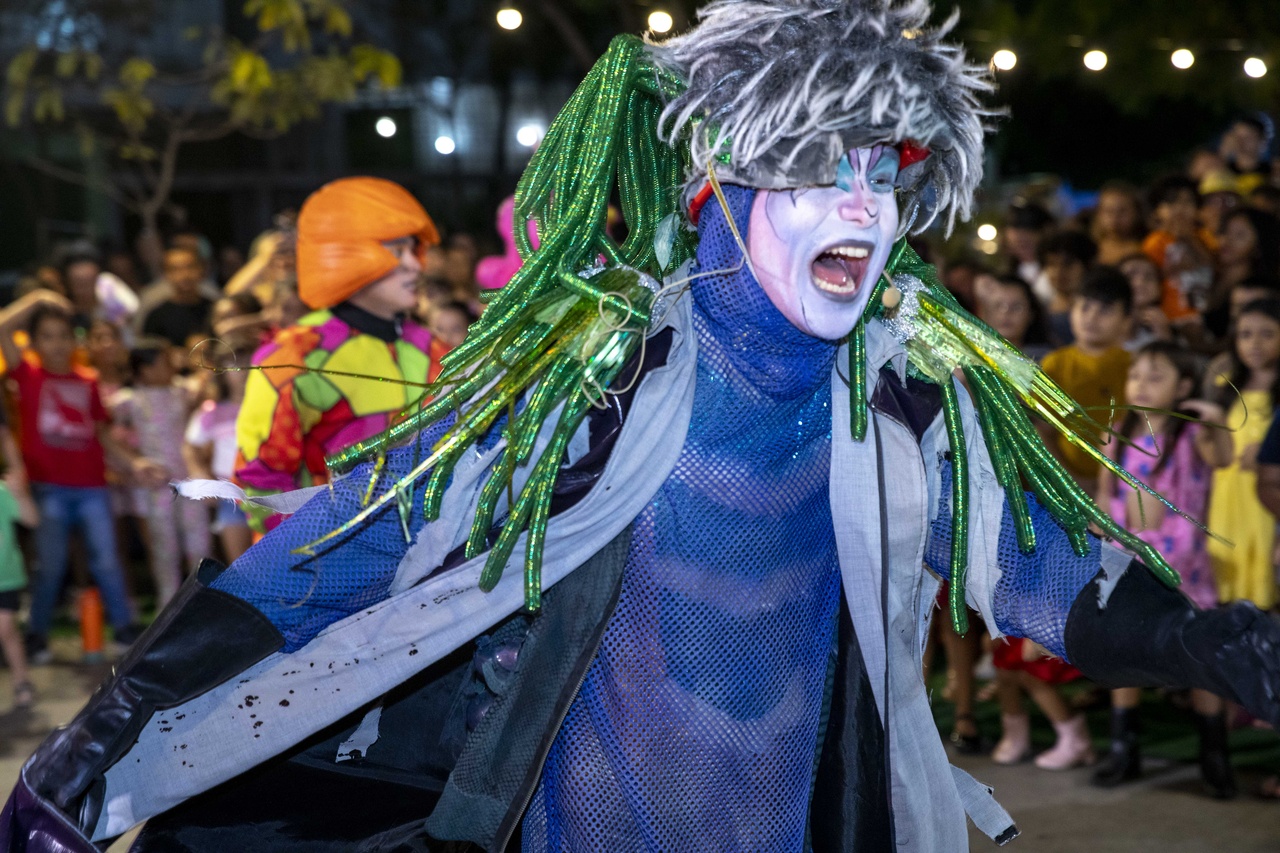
1255,67
1182,58
1095,60
510,19
661,22
1004,59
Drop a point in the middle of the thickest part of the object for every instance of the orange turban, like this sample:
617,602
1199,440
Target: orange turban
341,230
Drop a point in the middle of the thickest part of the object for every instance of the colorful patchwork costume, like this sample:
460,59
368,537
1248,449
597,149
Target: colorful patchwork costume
314,396
654,567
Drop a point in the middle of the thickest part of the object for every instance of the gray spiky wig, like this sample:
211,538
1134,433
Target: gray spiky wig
780,90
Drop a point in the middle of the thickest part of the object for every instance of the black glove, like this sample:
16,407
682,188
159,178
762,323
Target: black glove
201,639
1148,635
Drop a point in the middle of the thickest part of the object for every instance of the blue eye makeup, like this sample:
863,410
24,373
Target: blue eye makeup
881,176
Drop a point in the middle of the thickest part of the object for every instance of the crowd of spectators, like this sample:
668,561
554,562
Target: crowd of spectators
121,378
1158,309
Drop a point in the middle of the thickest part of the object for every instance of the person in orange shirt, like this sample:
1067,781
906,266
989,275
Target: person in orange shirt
1180,248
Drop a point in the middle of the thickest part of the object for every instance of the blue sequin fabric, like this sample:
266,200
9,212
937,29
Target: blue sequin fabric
696,726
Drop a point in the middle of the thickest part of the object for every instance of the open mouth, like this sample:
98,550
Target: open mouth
840,269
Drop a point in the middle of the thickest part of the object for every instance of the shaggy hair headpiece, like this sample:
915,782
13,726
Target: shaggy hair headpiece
779,91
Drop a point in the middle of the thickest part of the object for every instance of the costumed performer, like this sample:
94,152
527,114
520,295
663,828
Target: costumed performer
646,574
360,247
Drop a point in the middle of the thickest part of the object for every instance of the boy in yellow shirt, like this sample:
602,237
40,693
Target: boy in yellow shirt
1093,369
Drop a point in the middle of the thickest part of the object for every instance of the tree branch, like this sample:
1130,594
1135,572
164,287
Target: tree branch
71,176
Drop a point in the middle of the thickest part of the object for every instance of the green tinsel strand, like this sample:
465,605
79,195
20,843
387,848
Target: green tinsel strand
959,507
544,474
858,379
1003,460
1034,459
521,438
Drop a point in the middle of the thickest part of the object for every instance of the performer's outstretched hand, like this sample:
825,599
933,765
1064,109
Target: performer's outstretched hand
1144,634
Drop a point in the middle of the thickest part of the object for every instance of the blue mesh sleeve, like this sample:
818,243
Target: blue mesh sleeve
303,595
1035,591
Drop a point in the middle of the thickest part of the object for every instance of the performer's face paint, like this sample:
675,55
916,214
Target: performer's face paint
819,251
397,291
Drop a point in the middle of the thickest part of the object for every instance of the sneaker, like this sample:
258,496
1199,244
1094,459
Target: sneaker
38,653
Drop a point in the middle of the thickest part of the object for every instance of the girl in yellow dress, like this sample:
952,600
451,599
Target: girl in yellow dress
1245,571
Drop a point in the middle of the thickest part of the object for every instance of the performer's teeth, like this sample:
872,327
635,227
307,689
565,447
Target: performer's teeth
840,269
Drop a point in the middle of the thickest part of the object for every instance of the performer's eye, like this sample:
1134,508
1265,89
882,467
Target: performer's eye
883,175
881,183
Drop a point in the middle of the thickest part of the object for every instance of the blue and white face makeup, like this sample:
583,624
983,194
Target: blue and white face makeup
819,251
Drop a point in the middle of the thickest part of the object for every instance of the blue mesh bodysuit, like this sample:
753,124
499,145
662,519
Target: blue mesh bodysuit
706,693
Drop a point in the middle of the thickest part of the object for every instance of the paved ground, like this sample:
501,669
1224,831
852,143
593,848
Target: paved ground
1057,812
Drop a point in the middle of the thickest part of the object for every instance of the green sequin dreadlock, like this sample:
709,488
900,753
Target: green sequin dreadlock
557,335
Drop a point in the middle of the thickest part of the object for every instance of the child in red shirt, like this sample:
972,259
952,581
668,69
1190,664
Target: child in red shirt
64,445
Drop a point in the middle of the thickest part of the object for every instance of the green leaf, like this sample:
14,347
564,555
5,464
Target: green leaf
337,21
14,105
65,66
48,105
136,151
136,72
20,67
368,61
92,65
132,108
250,74
390,71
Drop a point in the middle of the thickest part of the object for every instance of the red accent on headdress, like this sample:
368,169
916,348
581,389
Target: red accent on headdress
910,153
699,201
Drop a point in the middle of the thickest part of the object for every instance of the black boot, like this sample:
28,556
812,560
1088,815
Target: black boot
1124,760
1215,760
200,640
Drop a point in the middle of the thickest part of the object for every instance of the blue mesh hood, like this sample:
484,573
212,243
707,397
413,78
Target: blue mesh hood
737,316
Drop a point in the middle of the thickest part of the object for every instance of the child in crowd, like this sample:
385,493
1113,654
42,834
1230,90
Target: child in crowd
1022,667
210,447
109,356
1248,247
1025,224
1250,390
1249,290
238,320
156,410
13,579
65,443
1118,223
1065,257
1182,251
448,324
16,507
1149,321
1176,459
1094,368
1008,306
